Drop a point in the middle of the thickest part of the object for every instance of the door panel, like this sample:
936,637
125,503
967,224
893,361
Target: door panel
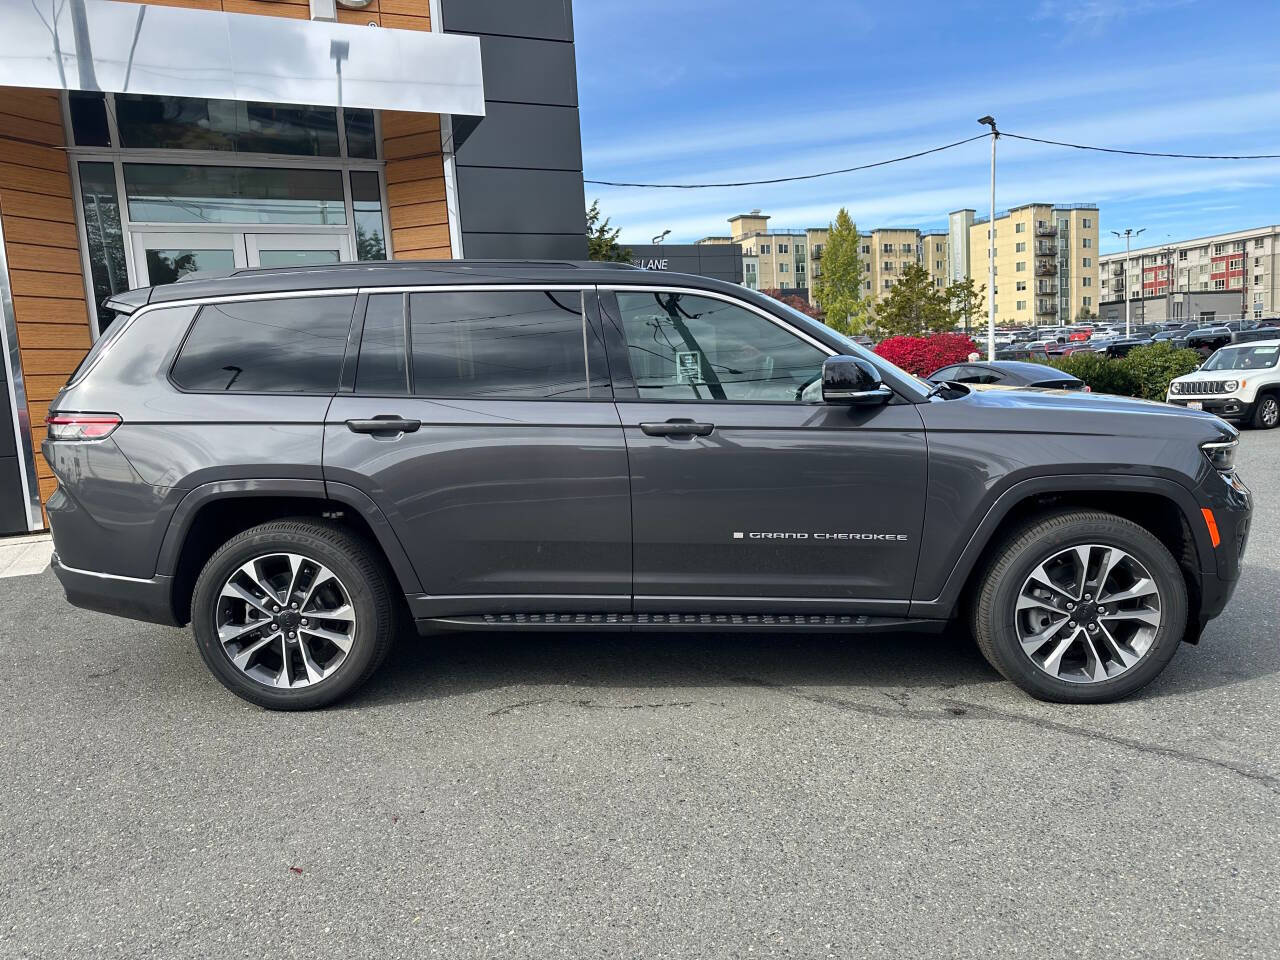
163,256
503,499
759,500
530,499
296,250
778,502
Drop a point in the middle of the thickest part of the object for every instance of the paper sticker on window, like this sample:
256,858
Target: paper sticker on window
689,367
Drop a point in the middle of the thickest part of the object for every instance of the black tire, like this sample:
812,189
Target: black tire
360,570
998,588
1266,412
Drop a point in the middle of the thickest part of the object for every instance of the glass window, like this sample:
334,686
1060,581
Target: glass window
194,123
170,264
104,236
366,203
504,344
685,347
172,193
362,142
89,119
383,368
266,346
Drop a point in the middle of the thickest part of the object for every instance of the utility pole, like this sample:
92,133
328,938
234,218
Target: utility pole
1129,233
991,244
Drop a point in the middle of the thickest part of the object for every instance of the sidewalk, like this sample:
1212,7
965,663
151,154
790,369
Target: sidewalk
24,556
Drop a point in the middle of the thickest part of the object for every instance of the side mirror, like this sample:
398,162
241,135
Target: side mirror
852,380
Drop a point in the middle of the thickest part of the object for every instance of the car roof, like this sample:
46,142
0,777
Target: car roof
408,273
1250,344
1038,371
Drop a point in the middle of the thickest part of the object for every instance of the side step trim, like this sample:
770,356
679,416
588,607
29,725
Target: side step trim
676,621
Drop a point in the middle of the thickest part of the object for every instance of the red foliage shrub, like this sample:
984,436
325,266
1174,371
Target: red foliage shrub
923,355
795,301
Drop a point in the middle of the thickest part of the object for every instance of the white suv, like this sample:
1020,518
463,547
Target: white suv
1241,382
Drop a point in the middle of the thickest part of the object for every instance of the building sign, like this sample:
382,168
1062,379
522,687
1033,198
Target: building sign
650,263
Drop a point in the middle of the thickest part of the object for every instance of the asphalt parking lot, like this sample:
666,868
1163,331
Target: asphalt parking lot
641,796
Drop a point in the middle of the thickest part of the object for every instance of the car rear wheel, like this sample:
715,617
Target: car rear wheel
1266,414
1081,607
293,614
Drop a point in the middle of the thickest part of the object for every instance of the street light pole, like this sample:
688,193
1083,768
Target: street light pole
991,245
1129,232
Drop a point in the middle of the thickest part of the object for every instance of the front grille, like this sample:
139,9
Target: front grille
1200,388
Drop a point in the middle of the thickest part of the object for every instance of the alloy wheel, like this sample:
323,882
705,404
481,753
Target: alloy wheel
1270,411
285,620
1088,613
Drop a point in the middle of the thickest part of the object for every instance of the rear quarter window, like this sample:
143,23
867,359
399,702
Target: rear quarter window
292,345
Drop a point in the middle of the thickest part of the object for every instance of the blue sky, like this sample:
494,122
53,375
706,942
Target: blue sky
697,90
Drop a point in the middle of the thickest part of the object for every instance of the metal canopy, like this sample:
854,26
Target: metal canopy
170,51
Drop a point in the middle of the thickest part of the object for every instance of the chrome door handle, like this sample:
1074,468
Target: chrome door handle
678,428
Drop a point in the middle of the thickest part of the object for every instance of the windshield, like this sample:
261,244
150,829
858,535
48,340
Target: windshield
1243,358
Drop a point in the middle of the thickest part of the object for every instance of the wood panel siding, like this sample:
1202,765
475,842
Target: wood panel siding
42,248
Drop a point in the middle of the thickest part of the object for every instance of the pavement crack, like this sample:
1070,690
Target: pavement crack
591,705
959,709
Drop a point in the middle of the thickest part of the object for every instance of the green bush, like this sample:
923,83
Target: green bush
1152,367
1100,372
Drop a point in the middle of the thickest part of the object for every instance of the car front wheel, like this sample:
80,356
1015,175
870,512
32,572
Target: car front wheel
1266,414
1081,607
293,614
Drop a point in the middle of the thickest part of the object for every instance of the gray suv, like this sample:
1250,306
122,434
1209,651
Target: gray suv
295,461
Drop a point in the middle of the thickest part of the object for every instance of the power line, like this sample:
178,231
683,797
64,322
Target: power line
1145,153
807,176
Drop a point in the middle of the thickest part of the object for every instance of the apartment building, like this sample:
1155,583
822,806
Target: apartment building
1173,281
792,259
1046,260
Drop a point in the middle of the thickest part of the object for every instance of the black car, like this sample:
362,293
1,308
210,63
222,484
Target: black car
294,461
1210,339
1009,373
1122,348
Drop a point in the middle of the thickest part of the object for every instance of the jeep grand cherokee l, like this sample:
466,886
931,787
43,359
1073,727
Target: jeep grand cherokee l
294,460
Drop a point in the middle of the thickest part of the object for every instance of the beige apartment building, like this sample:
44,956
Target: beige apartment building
792,259
1046,261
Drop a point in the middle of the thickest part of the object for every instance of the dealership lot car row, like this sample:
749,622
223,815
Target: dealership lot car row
295,460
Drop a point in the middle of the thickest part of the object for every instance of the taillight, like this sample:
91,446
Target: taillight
81,426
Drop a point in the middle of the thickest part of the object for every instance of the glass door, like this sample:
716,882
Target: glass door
295,250
162,256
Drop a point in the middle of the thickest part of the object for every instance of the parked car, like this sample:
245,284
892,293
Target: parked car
1122,347
1008,373
293,461
1214,338
1240,382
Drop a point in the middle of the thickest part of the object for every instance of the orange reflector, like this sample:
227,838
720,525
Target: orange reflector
1212,524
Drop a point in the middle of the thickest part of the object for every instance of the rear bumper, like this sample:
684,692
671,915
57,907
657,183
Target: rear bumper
136,599
1228,408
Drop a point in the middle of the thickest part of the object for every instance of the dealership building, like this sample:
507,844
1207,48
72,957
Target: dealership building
140,142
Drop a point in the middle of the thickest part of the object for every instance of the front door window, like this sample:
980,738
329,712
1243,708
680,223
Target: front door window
688,347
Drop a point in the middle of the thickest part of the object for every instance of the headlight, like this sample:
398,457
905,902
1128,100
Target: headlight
1231,386
1175,387
1222,454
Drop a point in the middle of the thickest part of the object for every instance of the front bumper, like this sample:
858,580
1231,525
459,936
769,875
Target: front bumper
1232,506
137,599
1228,408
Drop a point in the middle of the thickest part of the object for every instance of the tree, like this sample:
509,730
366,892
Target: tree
967,302
602,242
1086,314
838,288
914,306
795,301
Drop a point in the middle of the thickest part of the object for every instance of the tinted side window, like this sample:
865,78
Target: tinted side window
266,346
504,344
689,347
383,367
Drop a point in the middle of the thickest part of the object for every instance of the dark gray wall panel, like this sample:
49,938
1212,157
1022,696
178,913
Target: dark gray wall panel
524,135
542,19
495,200
529,71
13,513
719,261
525,246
